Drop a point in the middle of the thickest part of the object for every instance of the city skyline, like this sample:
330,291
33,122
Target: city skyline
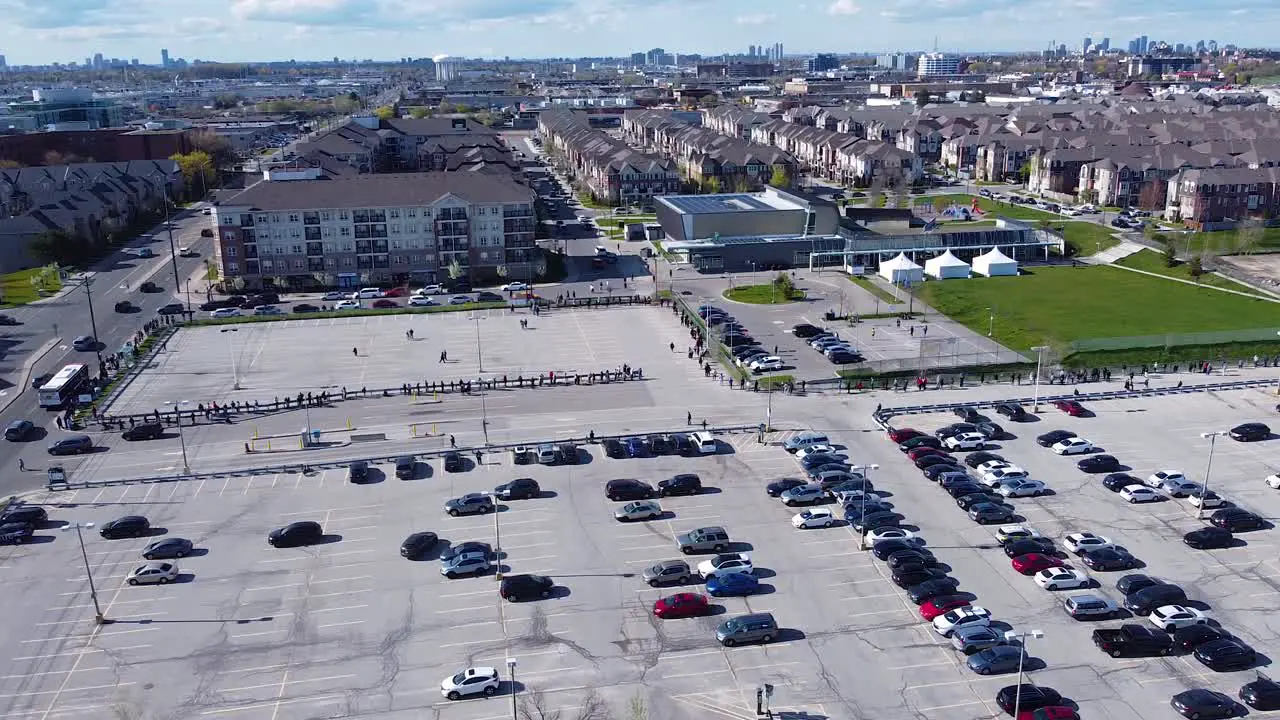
48,31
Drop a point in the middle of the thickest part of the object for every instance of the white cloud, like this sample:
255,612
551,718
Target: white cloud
755,19
844,7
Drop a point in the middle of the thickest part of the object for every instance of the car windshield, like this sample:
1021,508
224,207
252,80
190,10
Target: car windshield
459,678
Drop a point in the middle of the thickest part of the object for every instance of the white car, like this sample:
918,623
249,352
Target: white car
1005,533
1002,475
185,252
968,615
429,290
766,364
889,533
817,449
1079,543
472,681
1061,578
422,301
1205,499
1070,212
335,296
817,517
1072,446
1172,617
515,287
1140,494
347,305
366,293
990,465
225,312
267,310
460,300
966,441
1021,488
1157,478
153,573
725,564
1273,481
638,510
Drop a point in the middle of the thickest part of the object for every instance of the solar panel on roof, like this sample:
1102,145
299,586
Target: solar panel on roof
704,204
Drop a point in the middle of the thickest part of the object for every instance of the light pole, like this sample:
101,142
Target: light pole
173,253
93,322
235,372
93,591
1204,492
1035,398
484,417
511,671
479,355
1021,637
177,415
991,322
862,535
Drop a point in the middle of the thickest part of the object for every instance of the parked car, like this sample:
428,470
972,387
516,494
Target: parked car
668,572
525,587
127,526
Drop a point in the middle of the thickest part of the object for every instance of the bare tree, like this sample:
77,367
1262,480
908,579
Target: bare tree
1249,236
593,707
534,706
637,709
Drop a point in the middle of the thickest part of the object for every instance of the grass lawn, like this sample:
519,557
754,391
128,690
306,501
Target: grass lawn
761,295
1152,261
1226,241
1057,305
16,287
870,286
989,206
1087,238
585,200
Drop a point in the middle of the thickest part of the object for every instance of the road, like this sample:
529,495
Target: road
65,317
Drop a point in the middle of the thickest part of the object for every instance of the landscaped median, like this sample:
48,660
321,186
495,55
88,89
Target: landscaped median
769,294
24,286
347,313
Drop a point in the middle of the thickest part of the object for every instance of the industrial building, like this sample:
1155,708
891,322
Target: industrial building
771,212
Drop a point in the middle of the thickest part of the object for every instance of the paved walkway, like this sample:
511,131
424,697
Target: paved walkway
1117,252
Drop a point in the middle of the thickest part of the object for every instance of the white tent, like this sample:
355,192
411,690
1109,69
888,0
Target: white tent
901,270
994,263
946,266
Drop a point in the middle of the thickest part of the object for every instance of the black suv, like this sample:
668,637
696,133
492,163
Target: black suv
19,430
406,467
518,489
452,462
524,587
303,532
626,489
127,526
682,484
144,431
33,514
614,449
1053,437
567,454
1250,432
1013,411
417,544
358,471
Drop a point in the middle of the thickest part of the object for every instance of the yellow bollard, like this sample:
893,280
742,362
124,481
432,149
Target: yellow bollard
348,423
433,429
302,444
436,396
255,431
268,444
413,430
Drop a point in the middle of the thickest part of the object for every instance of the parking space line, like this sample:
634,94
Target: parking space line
340,624
919,665
291,682
272,703
531,559
60,711
86,636
53,672
878,612
360,527
272,587
342,579
67,690
707,671
261,668
766,665
471,642
524,534
81,651
465,609
953,705
348,607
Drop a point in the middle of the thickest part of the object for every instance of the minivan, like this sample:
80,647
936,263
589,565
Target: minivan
804,440
1089,606
705,443
71,445
760,627
546,454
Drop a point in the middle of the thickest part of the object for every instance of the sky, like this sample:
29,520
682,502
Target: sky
46,31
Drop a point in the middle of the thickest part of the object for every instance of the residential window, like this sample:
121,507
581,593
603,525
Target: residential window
233,267
395,213
326,216
230,251
344,231
395,244
297,249
262,219
293,217
395,228
326,232
267,265
411,212
297,264
295,232
346,262
344,215
275,217
229,235
399,260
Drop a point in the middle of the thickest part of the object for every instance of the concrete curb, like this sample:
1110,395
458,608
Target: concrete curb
25,372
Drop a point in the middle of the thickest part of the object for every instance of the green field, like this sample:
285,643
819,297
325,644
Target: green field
762,295
1225,241
989,206
1057,305
1086,238
16,288
1152,261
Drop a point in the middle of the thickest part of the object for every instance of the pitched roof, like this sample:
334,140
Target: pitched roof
388,190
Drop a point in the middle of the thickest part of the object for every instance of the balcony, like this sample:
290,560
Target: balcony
310,218
362,231
251,251
452,228
246,221
315,248
315,264
312,233
379,246
517,211
518,226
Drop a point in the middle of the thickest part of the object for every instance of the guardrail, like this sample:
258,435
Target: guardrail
307,467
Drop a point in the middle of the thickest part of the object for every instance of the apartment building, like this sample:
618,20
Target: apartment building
369,145
303,230
608,168
1137,177
703,154
1218,198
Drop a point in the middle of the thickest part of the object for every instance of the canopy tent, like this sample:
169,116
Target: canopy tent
994,263
946,266
901,270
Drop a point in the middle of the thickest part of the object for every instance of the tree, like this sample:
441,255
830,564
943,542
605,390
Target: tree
502,271
1170,256
923,97
61,247
1249,236
780,178
1152,195
1195,268
226,101
711,185
346,104
637,709
386,112
197,169
784,285
740,185
455,269
419,113
217,148
534,706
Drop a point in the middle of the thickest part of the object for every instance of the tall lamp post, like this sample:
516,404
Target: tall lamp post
511,672
177,416
1212,436
862,535
1022,638
93,591
479,355
173,252
991,321
93,322
1035,399
235,372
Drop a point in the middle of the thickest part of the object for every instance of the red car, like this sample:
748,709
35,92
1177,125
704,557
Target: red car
1032,563
917,453
1071,407
902,435
384,303
1052,712
395,292
931,609
681,605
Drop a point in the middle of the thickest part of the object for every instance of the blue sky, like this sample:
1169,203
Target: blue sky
42,31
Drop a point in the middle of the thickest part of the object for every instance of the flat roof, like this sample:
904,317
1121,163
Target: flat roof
726,203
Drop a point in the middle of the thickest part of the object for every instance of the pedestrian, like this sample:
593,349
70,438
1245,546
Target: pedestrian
410,333
925,331
673,347
897,323
58,421
453,443
355,352
873,332
479,458
444,356
688,417
912,330
704,423
1146,382
22,465
1179,383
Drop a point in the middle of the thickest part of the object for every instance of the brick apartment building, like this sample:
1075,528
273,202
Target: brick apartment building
109,145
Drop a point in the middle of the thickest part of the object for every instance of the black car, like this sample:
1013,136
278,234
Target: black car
660,445
964,502
911,556
965,488
124,306
1115,482
683,444
1235,519
777,487
1261,694
614,449
862,504
1053,437
682,484
1147,599
973,460
452,462
1026,546
40,381
1013,411
947,431
993,431
921,441
1111,558
627,489
8,320
906,578
1250,432
567,454
127,526
1135,582
937,470
805,330
871,521
524,587
15,533
518,489
1098,464
816,472
406,467
969,414
1191,637
928,461
986,513
844,357
1030,697
303,532
144,431
1203,704
172,309
467,547
168,548
930,589
883,549
486,296
305,308
19,430
1207,538
417,544
358,471
33,514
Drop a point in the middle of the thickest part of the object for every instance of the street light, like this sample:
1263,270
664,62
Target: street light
93,591
511,671
479,356
173,253
235,373
177,415
1035,399
1212,436
991,322
1021,637
862,536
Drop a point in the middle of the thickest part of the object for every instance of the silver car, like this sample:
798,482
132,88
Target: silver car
468,563
970,640
638,510
804,495
1088,605
153,573
668,572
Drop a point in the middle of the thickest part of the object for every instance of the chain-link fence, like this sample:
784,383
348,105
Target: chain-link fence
1168,340
940,357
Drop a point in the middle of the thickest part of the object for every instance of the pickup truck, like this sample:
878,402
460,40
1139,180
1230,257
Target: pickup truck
703,540
1132,640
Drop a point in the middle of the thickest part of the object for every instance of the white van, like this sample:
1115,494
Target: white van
705,443
367,293
799,442
547,454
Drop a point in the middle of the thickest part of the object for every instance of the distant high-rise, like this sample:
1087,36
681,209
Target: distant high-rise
931,64
97,61
779,58
637,59
3,64
1142,44
900,62
1213,46
1085,45
654,56
1104,45
822,62
164,57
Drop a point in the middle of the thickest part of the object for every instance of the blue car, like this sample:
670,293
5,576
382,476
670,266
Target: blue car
732,584
635,447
